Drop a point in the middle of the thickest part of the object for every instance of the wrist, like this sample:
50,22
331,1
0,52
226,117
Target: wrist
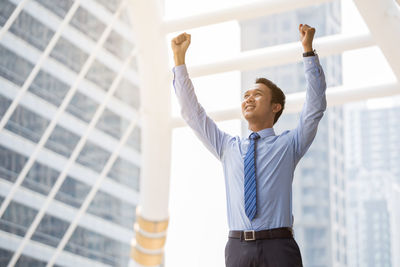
179,59
307,48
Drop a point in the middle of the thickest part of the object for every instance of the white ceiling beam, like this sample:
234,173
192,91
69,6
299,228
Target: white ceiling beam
383,20
281,54
238,12
294,102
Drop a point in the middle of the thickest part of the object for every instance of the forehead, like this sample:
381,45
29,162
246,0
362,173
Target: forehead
258,87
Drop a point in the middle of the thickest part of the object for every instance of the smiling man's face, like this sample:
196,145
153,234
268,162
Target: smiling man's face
256,104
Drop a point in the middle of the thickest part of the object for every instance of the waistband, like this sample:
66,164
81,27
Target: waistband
251,235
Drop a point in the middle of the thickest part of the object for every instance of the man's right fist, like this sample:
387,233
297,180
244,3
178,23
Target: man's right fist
180,43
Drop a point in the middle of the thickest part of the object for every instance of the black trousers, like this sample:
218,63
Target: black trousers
282,252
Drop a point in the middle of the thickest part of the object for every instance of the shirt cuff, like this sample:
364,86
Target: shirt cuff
311,62
180,71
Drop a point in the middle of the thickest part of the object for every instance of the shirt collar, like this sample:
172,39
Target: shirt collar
266,132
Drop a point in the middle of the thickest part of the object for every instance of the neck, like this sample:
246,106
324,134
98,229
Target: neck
258,126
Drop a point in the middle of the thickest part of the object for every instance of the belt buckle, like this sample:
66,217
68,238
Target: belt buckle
253,236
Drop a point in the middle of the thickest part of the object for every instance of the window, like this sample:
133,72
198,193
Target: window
5,11
93,156
62,141
17,218
32,31
135,139
59,7
100,75
27,124
40,178
50,230
68,54
82,107
126,173
97,247
112,209
72,192
128,93
118,45
49,88
11,163
112,123
13,67
85,22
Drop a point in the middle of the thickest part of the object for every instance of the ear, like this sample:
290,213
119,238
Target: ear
276,107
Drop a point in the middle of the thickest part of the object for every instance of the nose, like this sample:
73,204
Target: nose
249,99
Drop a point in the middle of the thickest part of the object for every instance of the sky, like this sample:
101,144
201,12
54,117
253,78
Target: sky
198,228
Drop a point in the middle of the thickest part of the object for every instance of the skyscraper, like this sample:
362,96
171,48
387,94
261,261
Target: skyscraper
318,185
373,145
103,234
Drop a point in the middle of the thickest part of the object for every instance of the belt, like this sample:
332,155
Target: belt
250,235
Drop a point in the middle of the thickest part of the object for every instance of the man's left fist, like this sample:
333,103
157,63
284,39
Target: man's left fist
306,37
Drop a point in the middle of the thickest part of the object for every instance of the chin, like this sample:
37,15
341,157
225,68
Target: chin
248,116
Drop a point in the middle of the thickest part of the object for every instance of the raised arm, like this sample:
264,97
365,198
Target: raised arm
315,102
192,112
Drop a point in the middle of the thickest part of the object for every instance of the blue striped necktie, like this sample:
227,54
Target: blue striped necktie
250,188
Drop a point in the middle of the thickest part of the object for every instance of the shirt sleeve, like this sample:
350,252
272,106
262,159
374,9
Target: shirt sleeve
195,116
314,106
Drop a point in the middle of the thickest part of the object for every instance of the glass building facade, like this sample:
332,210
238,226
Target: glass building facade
103,234
373,171
319,181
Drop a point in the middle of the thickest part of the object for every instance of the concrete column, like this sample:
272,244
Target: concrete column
154,73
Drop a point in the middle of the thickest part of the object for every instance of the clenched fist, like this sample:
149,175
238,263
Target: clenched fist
179,46
306,37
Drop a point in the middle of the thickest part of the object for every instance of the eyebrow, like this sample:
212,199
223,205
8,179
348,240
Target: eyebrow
255,89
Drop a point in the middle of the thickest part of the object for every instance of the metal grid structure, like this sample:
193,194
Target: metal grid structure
51,256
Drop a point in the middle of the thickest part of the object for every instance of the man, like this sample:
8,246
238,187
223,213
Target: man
258,169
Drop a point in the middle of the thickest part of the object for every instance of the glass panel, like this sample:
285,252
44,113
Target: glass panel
112,124
112,209
4,104
97,247
59,7
118,45
128,93
50,230
32,31
49,88
40,178
5,11
13,67
68,54
11,163
85,22
100,75
73,192
17,218
126,173
25,261
111,5
5,256
82,107
135,139
62,141
93,156
27,124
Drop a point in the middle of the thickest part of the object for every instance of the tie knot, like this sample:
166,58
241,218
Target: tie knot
254,136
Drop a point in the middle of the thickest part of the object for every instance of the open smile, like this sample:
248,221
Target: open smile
249,107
